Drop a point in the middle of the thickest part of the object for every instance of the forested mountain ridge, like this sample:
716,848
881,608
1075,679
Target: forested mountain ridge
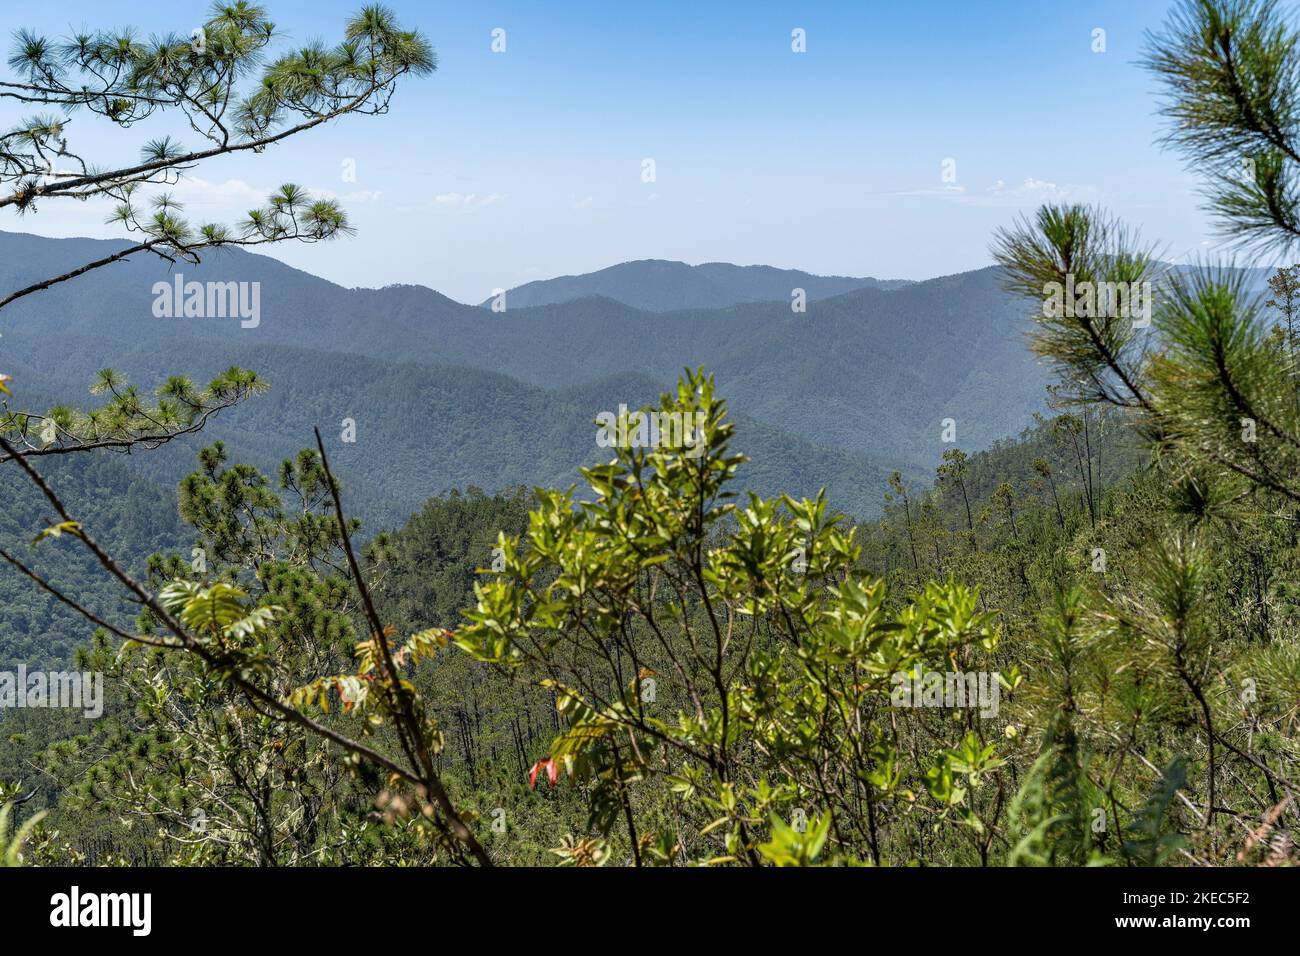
420,429
868,371
662,285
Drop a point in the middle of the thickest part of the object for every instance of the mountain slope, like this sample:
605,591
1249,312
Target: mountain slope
420,429
661,285
869,371
128,513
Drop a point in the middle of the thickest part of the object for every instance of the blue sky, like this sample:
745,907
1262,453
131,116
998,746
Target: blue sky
505,167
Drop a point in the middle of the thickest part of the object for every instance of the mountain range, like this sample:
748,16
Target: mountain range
446,394
661,285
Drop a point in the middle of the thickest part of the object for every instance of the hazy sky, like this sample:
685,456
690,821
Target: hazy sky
506,167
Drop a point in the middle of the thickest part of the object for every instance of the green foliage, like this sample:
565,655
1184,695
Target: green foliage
778,652
126,420
1231,69
1149,844
789,847
11,843
218,79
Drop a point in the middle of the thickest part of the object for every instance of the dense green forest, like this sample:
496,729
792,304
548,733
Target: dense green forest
1074,647
134,515
1040,507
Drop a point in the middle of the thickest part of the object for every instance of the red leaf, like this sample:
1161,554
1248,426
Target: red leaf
552,772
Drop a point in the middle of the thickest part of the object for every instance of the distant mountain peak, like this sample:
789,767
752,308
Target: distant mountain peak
667,285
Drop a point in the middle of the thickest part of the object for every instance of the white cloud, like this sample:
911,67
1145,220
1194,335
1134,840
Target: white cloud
584,203
1030,192
361,195
941,191
193,191
455,200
